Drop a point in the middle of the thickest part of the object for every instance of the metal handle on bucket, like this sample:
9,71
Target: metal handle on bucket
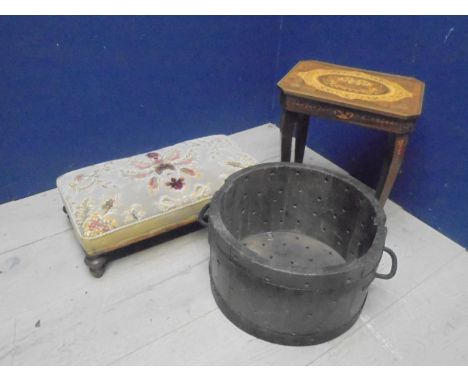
203,215
393,269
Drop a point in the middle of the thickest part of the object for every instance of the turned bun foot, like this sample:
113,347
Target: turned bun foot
96,265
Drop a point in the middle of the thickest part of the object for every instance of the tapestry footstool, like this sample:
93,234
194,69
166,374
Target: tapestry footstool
117,203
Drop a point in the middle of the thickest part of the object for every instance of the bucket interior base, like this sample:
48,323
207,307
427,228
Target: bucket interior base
286,250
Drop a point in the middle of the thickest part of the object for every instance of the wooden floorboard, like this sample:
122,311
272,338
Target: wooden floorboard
428,326
155,306
31,219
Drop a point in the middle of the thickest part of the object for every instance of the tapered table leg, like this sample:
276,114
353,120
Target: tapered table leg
391,166
288,122
302,125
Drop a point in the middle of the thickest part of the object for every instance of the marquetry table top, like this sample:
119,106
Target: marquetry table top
380,93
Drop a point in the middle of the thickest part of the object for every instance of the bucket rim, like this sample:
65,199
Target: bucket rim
249,258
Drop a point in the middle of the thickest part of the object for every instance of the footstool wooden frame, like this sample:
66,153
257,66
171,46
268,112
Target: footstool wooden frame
374,100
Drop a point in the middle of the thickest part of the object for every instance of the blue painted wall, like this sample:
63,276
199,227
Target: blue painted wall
80,90
433,184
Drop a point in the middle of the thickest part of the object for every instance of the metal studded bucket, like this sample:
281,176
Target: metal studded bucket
294,249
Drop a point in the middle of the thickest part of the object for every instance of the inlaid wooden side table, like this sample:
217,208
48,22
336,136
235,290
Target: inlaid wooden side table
374,100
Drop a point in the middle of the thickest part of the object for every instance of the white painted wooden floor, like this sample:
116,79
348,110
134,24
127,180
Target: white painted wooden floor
155,307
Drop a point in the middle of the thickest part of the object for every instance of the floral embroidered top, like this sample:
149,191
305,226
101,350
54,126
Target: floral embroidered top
111,195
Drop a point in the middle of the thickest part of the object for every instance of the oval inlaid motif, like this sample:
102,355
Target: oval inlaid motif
350,84
353,84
